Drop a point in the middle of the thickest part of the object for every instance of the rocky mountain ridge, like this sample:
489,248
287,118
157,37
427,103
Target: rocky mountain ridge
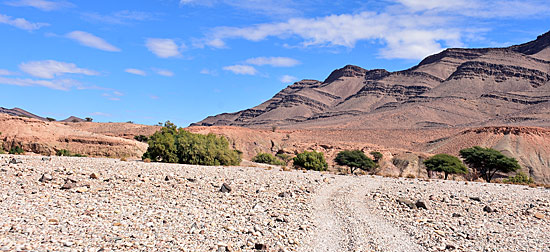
456,87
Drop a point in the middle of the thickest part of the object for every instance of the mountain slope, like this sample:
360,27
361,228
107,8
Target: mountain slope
20,112
457,87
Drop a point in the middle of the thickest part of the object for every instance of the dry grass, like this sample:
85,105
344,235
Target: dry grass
147,160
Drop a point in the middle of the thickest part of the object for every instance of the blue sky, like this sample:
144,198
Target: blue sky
183,60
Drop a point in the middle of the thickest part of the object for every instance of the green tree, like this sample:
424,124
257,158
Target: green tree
487,161
173,145
377,156
355,159
141,138
267,158
311,160
445,163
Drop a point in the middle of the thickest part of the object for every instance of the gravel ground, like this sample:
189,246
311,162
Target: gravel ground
134,206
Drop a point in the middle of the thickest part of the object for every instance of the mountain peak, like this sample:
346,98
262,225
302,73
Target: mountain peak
347,71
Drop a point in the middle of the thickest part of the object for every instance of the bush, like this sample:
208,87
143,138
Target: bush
285,157
2,151
67,153
88,119
16,150
267,158
445,163
173,145
355,159
487,162
141,138
520,178
311,161
50,119
377,156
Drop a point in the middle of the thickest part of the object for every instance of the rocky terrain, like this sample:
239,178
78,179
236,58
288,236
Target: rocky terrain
42,137
457,87
98,204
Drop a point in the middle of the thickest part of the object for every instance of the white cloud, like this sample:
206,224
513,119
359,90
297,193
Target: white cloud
163,72
409,29
119,17
135,71
49,69
100,114
21,23
40,4
274,8
421,5
209,72
241,69
6,72
273,61
90,40
63,84
164,48
346,30
288,79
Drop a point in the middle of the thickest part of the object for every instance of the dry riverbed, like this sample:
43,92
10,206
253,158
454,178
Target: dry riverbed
97,204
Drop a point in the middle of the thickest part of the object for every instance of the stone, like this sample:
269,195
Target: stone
260,246
539,216
82,189
16,161
285,194
456,215
69,184
46,177
478,199
225,188
422,204
489,209
167,178
46,159
94,176
407,202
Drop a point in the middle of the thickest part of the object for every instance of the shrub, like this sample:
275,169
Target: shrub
445,163
16,150
67,153
88,119
377,156
519,178
355,159
487,162
2,151
285,157
311,161
141,138
173,145
267,158
50,119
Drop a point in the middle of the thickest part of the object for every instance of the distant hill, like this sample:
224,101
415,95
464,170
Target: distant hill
20,112
73,119
454,88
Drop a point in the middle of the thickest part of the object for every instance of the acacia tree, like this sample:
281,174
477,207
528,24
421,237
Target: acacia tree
376,155
445,163
355,159
487,161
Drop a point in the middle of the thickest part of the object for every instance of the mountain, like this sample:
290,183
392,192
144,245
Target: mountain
73,119
456,87
20,112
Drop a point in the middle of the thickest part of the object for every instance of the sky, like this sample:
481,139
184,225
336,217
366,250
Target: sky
150,61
